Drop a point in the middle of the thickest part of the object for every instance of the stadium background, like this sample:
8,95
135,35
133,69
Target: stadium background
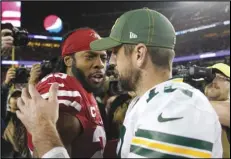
203,28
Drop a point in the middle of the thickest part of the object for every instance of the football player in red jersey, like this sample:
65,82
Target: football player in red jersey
79,73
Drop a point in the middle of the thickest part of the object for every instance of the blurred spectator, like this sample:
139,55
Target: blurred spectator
218,92
15,132
116,108
5,87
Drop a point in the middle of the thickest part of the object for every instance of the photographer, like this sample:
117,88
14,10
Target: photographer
218,93
7,42
40,70
15,132
5,87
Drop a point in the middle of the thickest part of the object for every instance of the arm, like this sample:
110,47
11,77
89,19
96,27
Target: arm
39,118
222,109
68,125
69,128
46,139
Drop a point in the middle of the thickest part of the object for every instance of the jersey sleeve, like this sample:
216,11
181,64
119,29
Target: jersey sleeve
190,131
69,98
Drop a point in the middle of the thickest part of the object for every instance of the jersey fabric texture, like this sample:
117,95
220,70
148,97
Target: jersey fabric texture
171,120
75,100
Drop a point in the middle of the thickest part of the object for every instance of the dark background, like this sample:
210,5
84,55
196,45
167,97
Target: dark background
98,15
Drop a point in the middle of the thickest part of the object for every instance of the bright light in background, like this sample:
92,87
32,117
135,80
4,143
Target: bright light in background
227,22
193,2
18,4
11,13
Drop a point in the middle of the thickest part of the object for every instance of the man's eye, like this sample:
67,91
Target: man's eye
90,57
104,58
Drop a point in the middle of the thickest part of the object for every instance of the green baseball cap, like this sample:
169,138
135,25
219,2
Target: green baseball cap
139,26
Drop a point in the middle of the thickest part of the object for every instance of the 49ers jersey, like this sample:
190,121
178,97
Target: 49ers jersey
75,100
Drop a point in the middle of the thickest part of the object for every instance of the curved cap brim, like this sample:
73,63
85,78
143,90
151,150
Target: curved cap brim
104,44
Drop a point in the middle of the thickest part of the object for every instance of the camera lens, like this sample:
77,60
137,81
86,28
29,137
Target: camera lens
20,37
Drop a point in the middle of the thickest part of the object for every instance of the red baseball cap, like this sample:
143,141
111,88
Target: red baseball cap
79,40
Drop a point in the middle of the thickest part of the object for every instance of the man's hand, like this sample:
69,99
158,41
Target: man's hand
35,74
39,117
7,42
10,75
34,111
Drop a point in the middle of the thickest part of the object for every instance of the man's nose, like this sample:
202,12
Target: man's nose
98,63
112,60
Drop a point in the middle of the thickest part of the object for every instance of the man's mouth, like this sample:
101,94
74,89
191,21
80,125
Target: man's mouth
97,78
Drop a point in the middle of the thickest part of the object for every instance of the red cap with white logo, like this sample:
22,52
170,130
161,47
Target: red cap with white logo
78,41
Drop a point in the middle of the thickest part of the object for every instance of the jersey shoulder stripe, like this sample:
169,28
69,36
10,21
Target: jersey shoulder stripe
64,93
68,95
141,151
172,144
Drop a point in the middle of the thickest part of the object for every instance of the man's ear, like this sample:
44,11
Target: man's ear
68,60
141,54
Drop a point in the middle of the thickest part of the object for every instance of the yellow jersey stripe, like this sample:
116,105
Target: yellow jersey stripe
170,148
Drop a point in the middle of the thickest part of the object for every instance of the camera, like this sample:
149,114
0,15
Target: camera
21,76
19,34
115,88
196,76
47,67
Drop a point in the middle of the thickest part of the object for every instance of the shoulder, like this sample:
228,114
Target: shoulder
179,109
65,82
68,87
175,95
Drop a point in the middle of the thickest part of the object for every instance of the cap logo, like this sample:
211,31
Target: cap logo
133,35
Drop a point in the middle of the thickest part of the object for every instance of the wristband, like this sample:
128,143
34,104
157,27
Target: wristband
57,152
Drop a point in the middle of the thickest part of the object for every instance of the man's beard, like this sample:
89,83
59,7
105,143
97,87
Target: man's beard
130,79
83,80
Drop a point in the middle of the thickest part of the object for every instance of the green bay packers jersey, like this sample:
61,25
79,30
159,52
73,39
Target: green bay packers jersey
171,120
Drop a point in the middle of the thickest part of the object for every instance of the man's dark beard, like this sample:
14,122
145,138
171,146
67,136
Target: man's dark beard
82,78
129,83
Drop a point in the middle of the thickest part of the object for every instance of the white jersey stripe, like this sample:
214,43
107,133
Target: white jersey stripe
63,93
76,105
65,102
